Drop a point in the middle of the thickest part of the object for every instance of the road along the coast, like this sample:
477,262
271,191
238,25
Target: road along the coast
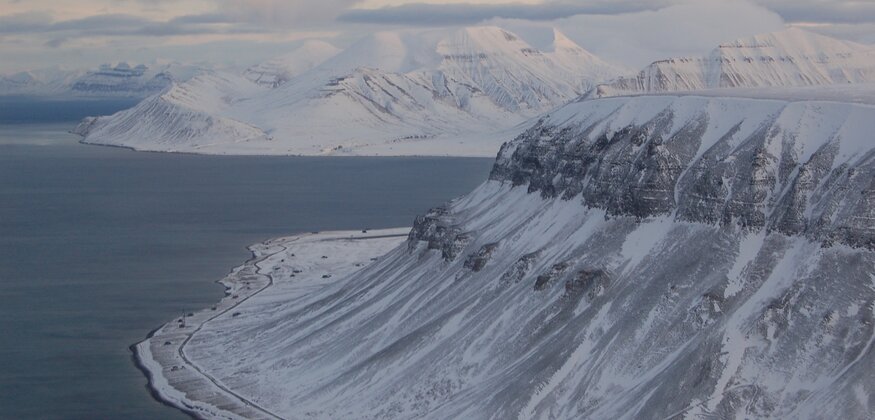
279,268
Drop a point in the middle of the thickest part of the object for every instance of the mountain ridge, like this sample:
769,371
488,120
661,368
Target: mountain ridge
734,277
792,57
108,80
390,93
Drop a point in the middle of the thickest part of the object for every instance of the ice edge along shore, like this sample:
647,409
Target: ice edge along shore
177,380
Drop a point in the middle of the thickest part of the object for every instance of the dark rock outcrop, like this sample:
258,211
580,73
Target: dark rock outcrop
652,169
436,228
476,261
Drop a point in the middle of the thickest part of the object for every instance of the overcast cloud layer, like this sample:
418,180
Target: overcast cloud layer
82,33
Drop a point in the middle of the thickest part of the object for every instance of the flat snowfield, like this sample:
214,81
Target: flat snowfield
280,270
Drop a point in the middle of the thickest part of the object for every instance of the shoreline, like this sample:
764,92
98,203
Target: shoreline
140,365
176,381
83,141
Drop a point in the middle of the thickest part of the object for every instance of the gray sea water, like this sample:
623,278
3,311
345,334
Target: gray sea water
100,245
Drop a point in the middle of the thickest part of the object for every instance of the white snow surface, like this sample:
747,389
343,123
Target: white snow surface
438,92
519,305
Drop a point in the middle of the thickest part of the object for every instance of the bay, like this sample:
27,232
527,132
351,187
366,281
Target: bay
100,245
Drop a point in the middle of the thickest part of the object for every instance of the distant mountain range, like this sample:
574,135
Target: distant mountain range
441,92
390,93
121,79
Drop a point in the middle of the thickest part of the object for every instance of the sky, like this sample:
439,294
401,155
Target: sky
237,33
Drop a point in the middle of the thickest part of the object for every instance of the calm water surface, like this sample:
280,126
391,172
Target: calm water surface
100,245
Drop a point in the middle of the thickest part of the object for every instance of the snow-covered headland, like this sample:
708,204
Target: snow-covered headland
630,257
695,254
280,269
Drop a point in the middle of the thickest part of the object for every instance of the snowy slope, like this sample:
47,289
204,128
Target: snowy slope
279,70
437,92
192,112
647,257
792,57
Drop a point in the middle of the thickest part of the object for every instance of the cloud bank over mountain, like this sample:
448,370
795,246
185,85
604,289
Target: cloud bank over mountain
42,33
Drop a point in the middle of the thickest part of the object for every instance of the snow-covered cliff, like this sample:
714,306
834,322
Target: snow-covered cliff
792,57
646,257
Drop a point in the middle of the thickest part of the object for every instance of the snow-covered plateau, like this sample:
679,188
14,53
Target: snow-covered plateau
440,92
792,57
631,257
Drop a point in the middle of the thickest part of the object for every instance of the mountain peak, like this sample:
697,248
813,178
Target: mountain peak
385,50
279,70
490,32
317,45
562,42
485,39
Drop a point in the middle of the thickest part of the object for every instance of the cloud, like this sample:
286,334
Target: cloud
633,32
203,18
470,13
636,39
119,25
823,11
24,22
284,13
859,32
435,13
101,23
55,42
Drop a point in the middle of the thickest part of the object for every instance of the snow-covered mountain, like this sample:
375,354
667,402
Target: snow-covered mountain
131,81
190,112
120,79
645,257
390,93
47,81
792,57
281,69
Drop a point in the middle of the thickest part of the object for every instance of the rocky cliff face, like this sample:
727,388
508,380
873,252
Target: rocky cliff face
651,257
743,230
122,80
784,172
